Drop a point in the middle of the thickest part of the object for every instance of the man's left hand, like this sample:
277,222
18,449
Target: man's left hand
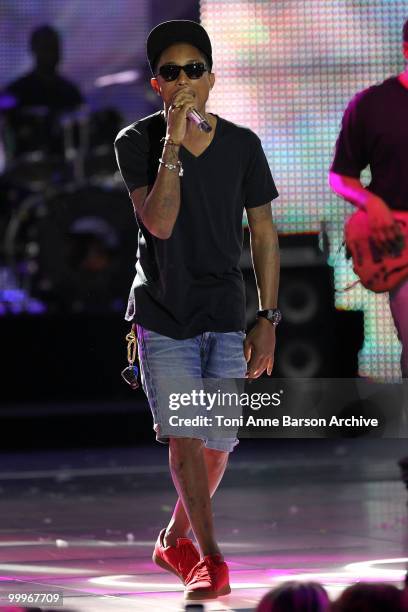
259,348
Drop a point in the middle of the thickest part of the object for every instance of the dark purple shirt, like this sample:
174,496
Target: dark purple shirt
374,133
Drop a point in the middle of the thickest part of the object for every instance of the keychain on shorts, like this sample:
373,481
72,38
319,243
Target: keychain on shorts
131,373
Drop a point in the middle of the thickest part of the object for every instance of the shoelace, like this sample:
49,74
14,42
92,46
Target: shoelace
184,558
203,570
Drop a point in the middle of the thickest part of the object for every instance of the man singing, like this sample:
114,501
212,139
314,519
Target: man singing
189,188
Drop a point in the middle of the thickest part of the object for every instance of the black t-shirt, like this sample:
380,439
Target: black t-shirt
375,132
191,282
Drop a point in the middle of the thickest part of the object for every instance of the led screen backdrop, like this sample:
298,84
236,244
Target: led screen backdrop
287,69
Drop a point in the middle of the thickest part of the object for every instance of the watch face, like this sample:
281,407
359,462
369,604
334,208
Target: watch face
274,316
271,314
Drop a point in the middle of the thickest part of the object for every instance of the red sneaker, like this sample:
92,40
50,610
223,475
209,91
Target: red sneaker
208,579
178,559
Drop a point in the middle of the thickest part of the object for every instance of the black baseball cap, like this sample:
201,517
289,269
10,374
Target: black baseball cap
179,30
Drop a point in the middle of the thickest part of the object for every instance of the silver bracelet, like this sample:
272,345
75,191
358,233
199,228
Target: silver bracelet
178,166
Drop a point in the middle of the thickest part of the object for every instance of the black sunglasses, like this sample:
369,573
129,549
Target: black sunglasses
170,72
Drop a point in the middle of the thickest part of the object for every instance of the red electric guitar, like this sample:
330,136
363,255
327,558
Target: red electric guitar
379,269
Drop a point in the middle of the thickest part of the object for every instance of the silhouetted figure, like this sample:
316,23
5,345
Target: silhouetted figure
40,97
293,596
44,86
366,597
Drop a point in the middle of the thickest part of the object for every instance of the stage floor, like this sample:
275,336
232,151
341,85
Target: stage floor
84,522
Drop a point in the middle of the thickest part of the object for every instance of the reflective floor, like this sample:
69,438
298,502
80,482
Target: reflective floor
83,523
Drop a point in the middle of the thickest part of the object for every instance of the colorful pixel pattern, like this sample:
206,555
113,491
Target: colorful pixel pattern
287,69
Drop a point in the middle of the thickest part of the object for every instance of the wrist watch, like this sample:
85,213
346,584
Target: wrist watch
273,315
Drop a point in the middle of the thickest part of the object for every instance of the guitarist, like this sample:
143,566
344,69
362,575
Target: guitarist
374,133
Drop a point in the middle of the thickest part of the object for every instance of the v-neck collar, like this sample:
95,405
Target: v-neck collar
210,145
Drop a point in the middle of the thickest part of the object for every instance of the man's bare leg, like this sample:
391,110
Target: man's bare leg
189,472
179,525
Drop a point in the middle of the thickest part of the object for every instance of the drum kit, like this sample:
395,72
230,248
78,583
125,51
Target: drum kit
69,235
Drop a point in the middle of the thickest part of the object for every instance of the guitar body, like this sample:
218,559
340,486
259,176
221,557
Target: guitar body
379,269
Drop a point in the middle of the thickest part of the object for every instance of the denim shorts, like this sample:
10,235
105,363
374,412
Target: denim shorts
207,358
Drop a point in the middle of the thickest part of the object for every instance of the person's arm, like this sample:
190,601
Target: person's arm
353,153
259,345
158,208
381,221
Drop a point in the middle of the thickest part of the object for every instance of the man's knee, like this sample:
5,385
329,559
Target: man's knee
185,447
215,459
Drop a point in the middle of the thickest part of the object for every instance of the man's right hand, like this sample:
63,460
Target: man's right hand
183,102
384,229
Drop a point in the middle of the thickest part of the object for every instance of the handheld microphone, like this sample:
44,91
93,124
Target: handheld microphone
200,121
